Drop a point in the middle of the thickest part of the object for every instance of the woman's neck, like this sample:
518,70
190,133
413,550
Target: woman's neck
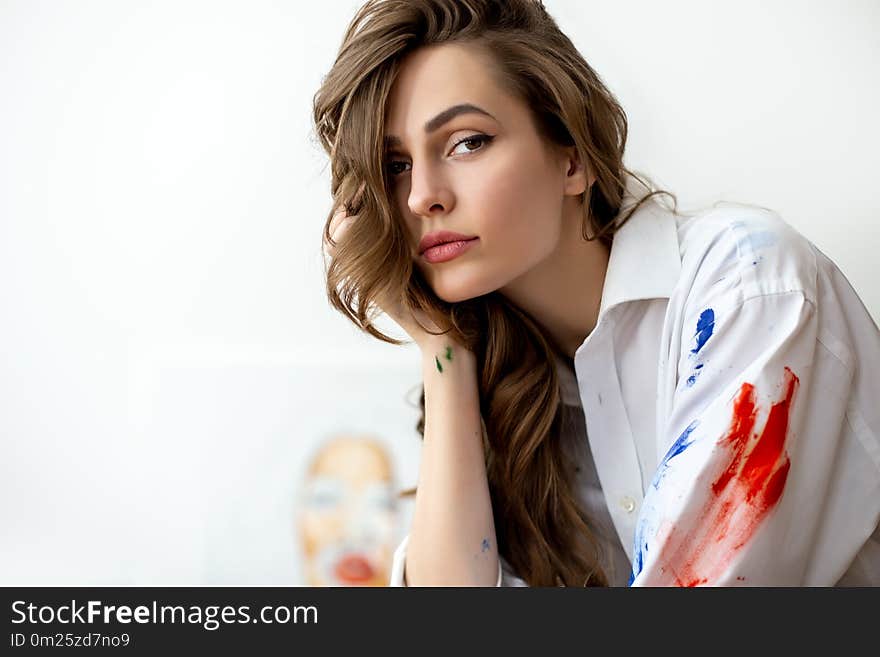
564,292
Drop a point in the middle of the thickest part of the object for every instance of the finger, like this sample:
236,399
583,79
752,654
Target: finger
338,216
338,229
338,225
360,192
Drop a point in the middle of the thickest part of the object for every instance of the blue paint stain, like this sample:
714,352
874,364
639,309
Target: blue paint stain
705,326
681,444
485,545
749,245
647,519
637,568
639,561
692,379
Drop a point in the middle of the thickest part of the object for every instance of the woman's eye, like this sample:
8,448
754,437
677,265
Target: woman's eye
391,166
480,139
467,141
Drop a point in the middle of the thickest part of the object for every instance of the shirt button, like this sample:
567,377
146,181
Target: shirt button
628,504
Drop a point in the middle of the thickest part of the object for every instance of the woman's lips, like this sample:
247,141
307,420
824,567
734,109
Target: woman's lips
447,251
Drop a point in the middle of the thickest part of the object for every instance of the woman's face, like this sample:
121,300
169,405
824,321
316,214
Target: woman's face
490,177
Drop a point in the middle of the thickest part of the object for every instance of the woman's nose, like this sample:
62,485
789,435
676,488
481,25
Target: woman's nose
429,192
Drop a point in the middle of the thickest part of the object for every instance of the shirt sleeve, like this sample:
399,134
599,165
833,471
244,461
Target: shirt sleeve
751,442
398,575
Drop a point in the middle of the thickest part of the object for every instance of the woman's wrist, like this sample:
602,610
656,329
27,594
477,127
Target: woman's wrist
440,351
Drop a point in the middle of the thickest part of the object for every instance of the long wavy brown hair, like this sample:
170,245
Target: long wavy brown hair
542,531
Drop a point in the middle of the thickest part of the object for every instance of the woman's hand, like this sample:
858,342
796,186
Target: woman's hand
394,308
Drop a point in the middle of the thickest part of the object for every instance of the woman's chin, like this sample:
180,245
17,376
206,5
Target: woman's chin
457,296
452,292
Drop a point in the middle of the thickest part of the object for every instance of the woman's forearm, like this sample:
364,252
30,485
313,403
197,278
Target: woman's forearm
452,539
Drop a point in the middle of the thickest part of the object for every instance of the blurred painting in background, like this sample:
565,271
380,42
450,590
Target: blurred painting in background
347,512
263,469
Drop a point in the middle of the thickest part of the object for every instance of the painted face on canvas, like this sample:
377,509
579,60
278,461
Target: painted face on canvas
485,174
347,514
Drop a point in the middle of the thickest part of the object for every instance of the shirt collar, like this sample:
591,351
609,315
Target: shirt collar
645,261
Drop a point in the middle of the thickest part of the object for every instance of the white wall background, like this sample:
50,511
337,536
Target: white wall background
162,313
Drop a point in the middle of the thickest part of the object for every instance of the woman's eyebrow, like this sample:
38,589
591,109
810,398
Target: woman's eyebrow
392,141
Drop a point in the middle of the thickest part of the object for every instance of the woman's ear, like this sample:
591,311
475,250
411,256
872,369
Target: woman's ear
577,177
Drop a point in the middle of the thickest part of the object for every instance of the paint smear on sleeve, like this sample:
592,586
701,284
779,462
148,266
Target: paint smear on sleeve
745,487
705,326
692,379
682,443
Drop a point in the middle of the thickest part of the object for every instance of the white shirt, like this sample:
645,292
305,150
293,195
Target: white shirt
731,406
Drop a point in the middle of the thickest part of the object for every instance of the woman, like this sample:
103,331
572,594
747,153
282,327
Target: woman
614,392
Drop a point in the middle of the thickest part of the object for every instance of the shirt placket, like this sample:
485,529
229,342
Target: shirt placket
610,435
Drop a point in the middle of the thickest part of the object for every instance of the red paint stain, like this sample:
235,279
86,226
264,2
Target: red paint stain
748,486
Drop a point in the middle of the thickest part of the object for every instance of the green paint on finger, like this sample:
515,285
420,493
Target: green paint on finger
439,366
448,353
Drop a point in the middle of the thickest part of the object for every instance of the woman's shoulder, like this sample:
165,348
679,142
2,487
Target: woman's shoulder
738,251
